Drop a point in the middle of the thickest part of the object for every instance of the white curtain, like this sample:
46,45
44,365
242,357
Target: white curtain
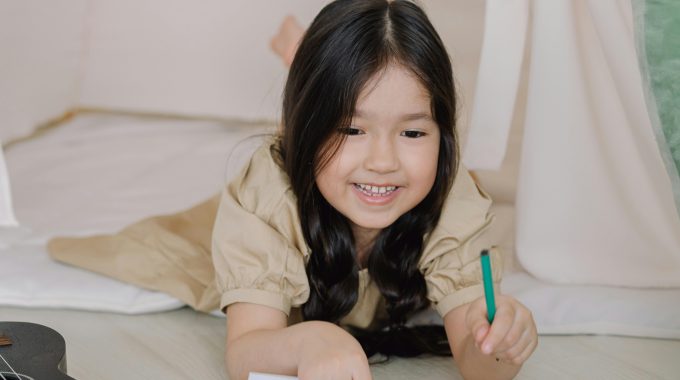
594,199
7,217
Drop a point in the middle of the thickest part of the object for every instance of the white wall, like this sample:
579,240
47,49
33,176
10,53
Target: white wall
208,58
171,56
40,54
213,59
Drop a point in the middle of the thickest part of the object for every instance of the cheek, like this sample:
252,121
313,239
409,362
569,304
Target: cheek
428,173
422,168
324,181
333,178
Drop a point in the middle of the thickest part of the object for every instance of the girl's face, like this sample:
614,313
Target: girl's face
388,162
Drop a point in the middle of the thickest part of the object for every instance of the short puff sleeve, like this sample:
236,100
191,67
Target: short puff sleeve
258,250
450,262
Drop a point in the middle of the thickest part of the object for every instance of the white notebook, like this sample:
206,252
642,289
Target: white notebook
267,376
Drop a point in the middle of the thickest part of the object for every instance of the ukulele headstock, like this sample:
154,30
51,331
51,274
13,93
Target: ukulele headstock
30,351
5,340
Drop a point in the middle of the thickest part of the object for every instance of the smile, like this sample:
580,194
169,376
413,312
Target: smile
375,191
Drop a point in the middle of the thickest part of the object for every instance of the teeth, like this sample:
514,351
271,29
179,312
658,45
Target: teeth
376,189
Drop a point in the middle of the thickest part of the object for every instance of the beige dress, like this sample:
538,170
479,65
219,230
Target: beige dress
259,251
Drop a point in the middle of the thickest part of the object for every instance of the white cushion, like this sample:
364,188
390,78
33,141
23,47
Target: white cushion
31,279
568,309
97,174
589,309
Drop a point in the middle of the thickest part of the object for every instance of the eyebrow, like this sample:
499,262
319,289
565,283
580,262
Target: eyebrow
404,117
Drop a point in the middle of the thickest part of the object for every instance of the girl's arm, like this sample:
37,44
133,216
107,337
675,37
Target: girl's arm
491,352
259,341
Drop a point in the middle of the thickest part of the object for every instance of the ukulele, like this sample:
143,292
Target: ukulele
29,351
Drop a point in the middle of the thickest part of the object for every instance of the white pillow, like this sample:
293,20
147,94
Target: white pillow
34,280
96,174
7,218
587,309
590,309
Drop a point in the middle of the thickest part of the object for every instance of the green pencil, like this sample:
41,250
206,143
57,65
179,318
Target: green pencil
487,277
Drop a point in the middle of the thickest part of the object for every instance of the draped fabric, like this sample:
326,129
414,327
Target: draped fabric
497,83
7,217
597,187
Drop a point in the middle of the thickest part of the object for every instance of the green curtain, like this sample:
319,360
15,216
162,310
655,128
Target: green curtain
657,29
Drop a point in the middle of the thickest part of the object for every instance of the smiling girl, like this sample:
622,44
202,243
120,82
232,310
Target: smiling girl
358,215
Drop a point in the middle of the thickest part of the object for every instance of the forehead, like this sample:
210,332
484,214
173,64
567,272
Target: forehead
394,89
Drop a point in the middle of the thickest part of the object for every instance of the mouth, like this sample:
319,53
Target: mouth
375,191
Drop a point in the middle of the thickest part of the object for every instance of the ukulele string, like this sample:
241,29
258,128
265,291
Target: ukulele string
10,368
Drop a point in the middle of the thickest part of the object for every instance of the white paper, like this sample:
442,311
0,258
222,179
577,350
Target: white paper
267,376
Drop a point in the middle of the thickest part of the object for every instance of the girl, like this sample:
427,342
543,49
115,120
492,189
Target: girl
358,215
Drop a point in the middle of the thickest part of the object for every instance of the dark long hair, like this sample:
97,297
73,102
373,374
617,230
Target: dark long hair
347,43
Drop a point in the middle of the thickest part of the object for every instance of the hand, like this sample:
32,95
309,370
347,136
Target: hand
331,353
287,39
512,336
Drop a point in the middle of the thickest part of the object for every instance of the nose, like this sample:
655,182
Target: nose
382,156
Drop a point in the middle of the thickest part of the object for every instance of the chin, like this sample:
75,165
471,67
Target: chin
374,223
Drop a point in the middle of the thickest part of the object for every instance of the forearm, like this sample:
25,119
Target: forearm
474,364
269,351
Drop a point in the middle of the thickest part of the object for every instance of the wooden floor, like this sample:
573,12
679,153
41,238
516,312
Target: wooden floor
183,344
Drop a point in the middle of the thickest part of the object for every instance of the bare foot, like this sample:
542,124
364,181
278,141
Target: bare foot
286,41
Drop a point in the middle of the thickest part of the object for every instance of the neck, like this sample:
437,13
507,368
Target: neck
364,238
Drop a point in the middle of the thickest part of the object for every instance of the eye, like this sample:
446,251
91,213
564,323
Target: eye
413,134
350,131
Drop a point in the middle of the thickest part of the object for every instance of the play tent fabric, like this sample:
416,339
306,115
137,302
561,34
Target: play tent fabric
497,83
7,218
42,51
531,292
595,198
595,203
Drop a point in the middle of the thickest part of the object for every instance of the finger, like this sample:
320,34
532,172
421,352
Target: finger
476,320
510,353
517,331
521,358
523,349
503,321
